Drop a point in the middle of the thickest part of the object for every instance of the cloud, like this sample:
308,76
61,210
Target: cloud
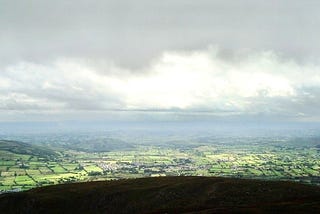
192,82
82,57
132,33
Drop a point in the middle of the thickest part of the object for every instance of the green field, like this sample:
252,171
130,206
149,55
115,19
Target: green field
273,162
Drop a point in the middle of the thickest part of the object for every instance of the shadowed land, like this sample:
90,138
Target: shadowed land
166,195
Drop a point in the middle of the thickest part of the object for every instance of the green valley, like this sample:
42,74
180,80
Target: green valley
27,165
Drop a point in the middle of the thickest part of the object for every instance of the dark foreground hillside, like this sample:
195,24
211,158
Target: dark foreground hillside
167,195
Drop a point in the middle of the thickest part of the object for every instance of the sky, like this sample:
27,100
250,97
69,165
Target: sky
159,60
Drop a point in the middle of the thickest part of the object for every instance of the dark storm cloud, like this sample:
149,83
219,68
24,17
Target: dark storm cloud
131,33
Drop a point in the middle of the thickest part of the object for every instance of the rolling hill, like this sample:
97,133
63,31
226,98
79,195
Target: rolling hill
167,195
18,147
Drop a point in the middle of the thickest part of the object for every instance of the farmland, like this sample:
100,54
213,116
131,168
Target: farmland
28,165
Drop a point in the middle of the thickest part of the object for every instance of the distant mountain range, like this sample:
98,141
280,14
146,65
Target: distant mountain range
167,195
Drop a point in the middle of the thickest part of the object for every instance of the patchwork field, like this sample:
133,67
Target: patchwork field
20,171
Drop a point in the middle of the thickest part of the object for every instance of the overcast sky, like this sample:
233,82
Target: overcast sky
171,59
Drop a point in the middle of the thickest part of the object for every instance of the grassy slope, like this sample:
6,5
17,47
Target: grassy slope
25,148
166,194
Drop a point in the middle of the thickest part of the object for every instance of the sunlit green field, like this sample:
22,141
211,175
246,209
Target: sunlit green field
21,172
